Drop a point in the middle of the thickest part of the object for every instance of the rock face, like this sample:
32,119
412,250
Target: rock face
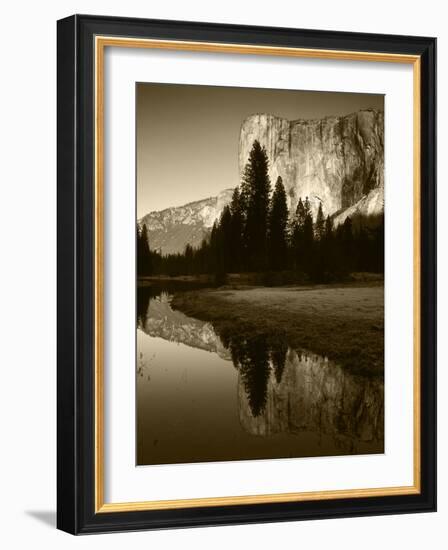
171,229
317,396
338,161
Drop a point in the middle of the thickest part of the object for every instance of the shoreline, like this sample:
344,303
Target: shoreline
285,279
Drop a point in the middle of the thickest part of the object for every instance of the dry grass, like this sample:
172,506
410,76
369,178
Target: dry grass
344,323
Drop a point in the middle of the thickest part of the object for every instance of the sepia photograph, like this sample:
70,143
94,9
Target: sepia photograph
259,274
247,273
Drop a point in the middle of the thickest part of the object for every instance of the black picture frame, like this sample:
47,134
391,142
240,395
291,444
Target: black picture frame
76,273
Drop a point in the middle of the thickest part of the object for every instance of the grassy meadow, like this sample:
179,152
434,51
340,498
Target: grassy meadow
342,322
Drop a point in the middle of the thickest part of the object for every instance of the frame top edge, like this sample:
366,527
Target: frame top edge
415,40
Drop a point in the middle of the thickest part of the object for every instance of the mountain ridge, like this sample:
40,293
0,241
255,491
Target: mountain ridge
170,229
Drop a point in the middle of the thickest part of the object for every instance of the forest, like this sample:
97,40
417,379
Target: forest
256,234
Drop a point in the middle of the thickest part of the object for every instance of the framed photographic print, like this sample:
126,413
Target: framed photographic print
246,274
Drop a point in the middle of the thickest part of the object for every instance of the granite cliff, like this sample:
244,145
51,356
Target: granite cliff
338,161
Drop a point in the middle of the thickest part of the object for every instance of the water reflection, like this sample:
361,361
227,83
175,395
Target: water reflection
251,357
318,396
256,357
279,390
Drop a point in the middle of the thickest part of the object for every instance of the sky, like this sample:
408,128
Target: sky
187,135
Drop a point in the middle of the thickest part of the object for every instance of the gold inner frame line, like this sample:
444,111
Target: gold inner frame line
101,42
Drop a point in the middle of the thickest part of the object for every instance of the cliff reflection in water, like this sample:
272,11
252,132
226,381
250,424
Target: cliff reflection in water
283,390
279,390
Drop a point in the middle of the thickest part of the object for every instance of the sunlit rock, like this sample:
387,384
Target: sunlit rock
336,161
171,229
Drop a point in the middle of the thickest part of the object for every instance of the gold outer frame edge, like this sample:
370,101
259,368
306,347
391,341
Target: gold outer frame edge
101,42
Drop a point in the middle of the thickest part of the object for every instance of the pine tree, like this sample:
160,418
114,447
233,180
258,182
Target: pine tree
300,213
225,240
296,233
214,243
297,222
319,228
344,244
278,222
308,240
328,228
144,258
188,259
255,191
318,259
303,237
328,252
236,231
307,207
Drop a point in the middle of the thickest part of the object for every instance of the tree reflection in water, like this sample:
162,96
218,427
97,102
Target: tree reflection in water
278,358
251,357
255,356
144,294
280,390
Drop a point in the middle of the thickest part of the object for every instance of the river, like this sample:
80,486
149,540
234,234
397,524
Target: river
202,396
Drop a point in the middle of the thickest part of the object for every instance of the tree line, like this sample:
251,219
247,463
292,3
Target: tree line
256,233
